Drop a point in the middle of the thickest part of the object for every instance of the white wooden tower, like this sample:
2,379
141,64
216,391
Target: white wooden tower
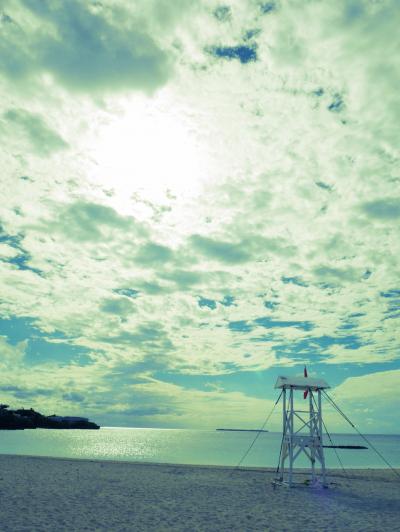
302,428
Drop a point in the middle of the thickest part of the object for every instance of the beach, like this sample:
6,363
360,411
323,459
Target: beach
38,493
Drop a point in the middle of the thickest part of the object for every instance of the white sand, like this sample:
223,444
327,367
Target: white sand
39,494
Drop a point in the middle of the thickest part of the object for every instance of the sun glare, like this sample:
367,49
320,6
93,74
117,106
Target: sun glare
149,152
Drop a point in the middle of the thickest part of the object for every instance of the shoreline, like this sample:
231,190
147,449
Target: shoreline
47,493
267,469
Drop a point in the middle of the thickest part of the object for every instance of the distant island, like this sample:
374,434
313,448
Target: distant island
243,430
30,419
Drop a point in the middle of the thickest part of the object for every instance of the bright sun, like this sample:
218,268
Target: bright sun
151,151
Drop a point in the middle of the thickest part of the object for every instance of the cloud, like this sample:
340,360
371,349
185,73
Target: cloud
269,323
188,407
12,355
365,400
42,139
267,7
151,254
144,411
7,252
15,254
73,397
220,250
294,280
226,226
119,306
87,48
23,393
85,221
332,274
55,389
222,13
337,105
393,303
128,292
149,336
184,279
152,288
376,387
382,209
21,262
251,247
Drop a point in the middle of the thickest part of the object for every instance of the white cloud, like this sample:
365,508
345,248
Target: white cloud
11,355
274,182
7,252
185,407
370,401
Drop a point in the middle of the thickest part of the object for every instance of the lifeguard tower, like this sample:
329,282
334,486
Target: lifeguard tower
302,428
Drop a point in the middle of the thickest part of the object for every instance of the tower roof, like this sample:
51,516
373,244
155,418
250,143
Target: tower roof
301,383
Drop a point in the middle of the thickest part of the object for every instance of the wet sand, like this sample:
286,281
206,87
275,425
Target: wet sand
43,494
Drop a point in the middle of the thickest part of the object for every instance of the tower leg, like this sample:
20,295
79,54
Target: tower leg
320,440
312,434
284,443
291,426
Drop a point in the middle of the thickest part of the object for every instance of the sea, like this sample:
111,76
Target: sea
183,446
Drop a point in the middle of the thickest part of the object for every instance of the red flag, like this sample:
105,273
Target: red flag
305,375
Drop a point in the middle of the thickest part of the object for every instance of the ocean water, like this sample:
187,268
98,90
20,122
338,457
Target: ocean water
181,446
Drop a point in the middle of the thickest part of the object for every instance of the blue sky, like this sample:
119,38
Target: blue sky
198,197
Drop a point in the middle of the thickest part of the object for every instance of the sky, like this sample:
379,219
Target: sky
198,197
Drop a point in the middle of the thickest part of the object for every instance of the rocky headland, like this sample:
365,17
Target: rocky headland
30,419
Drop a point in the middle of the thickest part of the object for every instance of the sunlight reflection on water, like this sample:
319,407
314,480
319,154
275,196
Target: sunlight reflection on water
181,446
